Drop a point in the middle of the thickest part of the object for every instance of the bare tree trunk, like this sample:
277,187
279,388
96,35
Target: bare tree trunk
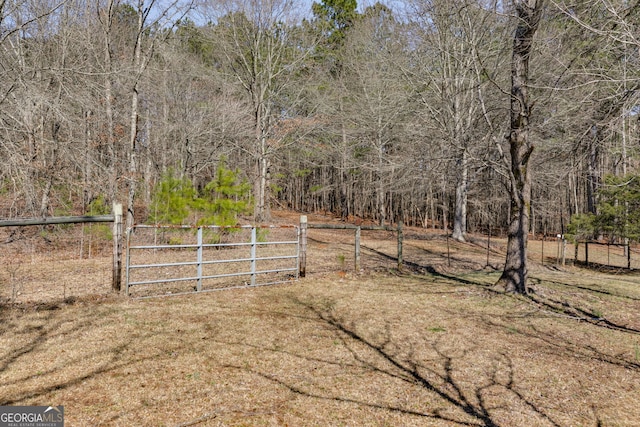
44,200
50,176
106,19
445,206
593,178
380,193
515,274
138,68
262,213
344,179
133,161
262,210
87,193
460,213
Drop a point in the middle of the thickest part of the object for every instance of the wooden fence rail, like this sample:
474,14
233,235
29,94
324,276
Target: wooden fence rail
55,220
115,218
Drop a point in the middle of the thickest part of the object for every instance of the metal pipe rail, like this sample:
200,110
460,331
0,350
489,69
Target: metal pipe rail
200,262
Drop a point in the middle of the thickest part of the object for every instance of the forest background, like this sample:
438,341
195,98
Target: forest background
387,112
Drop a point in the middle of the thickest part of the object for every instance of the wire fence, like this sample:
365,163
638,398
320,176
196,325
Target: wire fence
605,255
69,261
55,262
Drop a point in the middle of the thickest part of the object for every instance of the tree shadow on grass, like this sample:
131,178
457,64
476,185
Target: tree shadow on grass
542,302
579,313
51,327
550,304
559,345
398,362
421,268
593,289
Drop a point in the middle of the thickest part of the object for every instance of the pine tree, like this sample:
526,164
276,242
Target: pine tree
225,198
172,200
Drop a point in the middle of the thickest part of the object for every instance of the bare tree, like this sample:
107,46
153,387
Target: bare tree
378,107
515,274
609,29
258,52
32,71
150,30
457,40
195,119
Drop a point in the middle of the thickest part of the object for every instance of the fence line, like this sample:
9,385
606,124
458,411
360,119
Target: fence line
115,218
615,255
626,249
304,225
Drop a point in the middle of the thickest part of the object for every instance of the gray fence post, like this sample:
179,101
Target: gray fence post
128,262
302,268
117,247
199,261
253,255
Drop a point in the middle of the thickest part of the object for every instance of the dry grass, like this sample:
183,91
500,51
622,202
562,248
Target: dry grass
436,345
54,263
375,349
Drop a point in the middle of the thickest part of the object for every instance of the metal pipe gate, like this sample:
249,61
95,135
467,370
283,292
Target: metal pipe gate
189,260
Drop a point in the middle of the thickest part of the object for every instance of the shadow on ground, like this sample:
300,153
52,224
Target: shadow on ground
458,403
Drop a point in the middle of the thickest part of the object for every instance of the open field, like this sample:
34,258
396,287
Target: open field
434,344
374,349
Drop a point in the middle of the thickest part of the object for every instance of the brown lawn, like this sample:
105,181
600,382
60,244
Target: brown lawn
433,345
375,349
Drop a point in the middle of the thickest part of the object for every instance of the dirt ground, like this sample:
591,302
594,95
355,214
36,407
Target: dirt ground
435,344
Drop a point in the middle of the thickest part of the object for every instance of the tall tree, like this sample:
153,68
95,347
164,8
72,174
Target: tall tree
458,36
34,71
378,109
260,51
149,31
196,118
333,19
515,274
607,33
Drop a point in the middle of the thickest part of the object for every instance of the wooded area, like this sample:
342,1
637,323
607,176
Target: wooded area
384,112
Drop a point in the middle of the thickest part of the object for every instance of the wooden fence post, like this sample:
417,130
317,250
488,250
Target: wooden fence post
586,253
357,250
302,269
117,247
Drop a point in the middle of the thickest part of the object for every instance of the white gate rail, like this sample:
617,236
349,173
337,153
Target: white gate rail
289,262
